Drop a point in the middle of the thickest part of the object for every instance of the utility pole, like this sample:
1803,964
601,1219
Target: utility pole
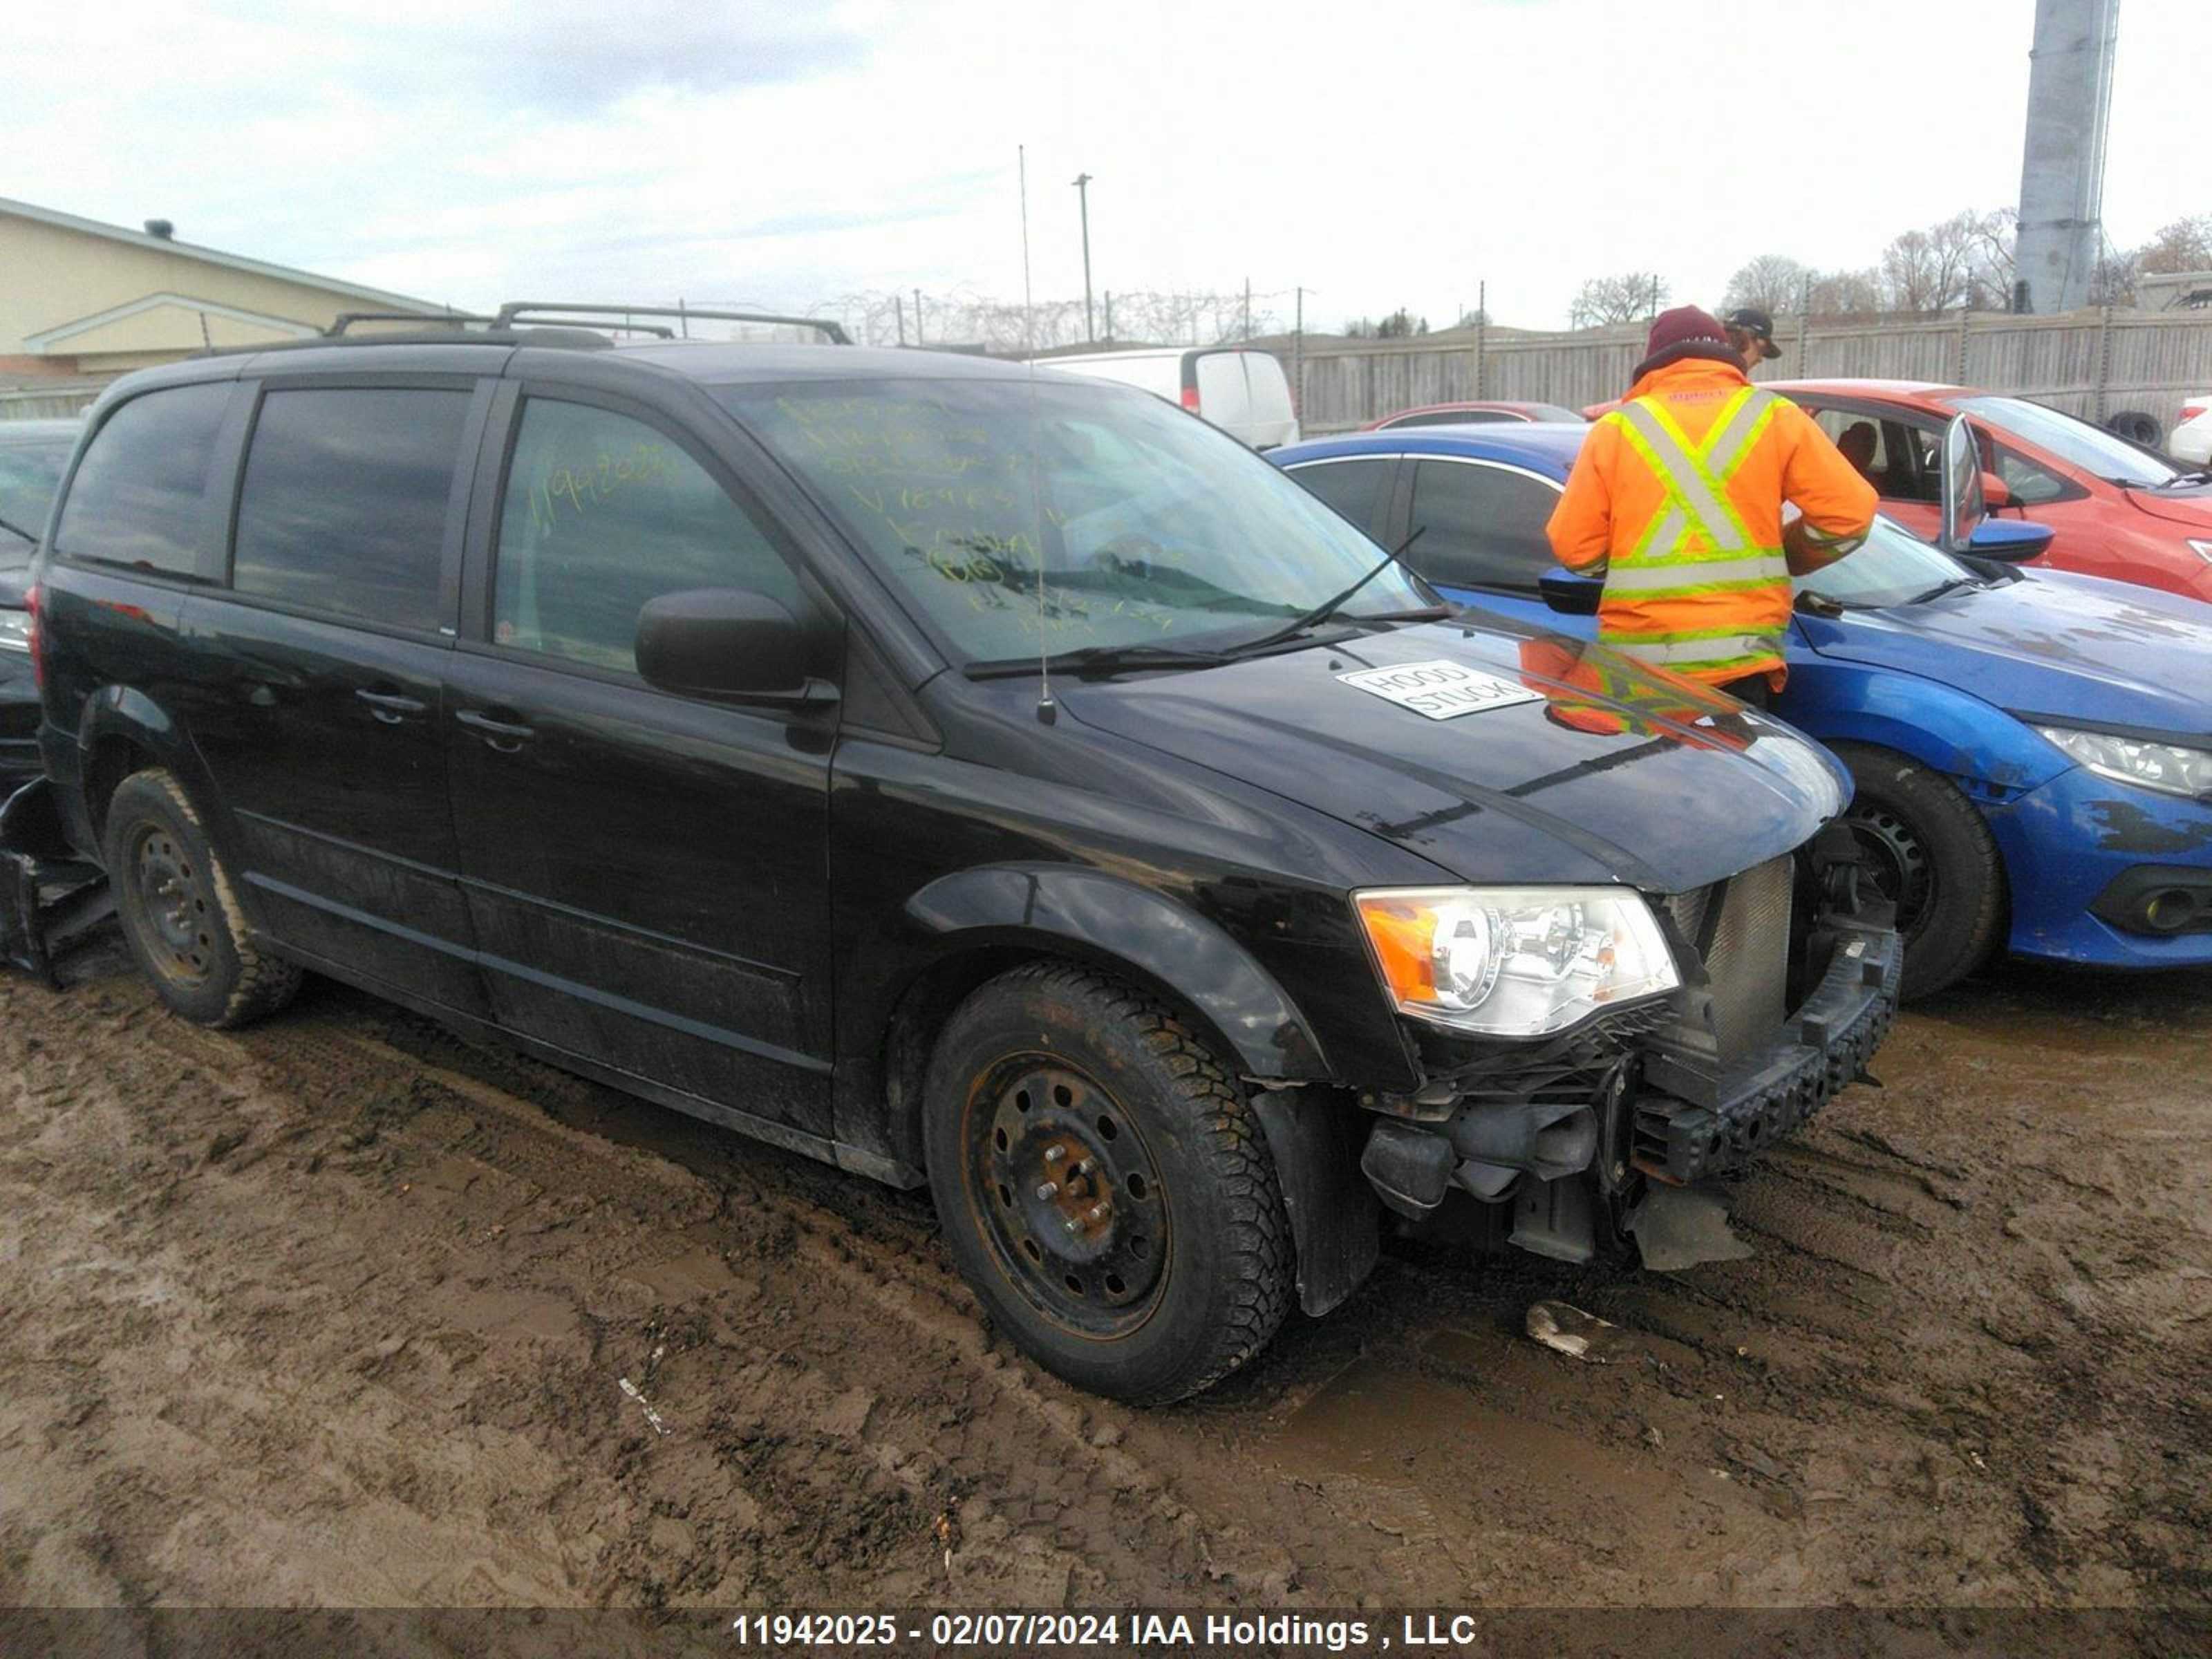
917,317
1298,351
2062,173
1248,307
898,305
1083,196
1109,316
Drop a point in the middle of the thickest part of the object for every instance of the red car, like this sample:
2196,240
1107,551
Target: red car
1471,415
2120,510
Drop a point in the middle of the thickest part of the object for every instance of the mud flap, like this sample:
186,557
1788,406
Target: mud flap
1336,1222
1678,1227
49,898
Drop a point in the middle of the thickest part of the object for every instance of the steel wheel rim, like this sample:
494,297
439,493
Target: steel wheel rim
174,906
1068,1195
1903,870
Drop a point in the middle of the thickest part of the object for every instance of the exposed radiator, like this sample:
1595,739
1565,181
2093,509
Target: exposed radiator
1748,957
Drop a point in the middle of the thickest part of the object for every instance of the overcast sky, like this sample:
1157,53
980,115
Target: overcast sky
781,155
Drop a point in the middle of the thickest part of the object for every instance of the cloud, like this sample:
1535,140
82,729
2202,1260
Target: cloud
785,153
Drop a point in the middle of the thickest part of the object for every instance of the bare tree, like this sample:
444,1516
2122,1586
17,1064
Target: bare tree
1964,260
2113,282
1844,296
1772,283
2184,245
1623,299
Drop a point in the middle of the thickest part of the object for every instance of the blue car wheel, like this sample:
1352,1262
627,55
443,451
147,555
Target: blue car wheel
1931,855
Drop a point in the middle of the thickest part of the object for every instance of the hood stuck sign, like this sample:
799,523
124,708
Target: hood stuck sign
1441,690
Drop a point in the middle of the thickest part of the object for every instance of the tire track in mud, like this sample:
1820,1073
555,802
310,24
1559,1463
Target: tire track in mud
834,1392
403,1277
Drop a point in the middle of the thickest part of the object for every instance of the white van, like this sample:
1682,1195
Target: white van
1245,393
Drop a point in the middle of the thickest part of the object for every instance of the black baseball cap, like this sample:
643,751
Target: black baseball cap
1753,321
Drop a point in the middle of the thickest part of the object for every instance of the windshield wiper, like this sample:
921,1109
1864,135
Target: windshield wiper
1952,585
14,529
2202,475
1095,659
1328,607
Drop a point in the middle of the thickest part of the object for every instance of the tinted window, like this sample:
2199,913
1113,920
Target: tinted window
603,513
1350,487
141,493
344,507
1485,526
29,475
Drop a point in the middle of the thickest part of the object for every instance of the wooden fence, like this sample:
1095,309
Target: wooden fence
2094,364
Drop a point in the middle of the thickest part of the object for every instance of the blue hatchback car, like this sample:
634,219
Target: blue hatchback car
2032,749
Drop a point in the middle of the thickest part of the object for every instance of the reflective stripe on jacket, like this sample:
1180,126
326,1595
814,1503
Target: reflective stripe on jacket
1676,501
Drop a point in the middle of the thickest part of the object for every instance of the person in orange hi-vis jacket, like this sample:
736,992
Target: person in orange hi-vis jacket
1676,499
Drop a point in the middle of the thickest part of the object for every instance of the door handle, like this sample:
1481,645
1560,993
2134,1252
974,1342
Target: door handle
391,706
506,736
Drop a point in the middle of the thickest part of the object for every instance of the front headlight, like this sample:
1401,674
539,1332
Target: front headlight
1514,961
14,631
2201,550
2168,767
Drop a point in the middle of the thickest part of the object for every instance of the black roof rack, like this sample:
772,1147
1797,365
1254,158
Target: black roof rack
346,320
556,312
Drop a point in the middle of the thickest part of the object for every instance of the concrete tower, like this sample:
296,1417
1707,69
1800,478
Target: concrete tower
2062,174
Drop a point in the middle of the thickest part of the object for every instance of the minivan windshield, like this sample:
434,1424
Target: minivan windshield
1148,528
1892,566
2100,454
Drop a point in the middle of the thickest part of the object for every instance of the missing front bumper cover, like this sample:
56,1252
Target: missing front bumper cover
1692,1122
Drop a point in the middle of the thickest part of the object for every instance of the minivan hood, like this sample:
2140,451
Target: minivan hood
2192,506
1559,784
2051,643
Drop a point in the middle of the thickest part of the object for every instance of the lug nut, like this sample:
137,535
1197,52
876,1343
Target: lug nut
1048,1190
1095,1214
1053,1154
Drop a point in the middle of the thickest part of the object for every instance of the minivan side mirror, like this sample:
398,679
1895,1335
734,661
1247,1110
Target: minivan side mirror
726,644
1570,596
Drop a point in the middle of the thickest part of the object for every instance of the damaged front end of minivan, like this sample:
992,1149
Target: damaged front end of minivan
1609,1130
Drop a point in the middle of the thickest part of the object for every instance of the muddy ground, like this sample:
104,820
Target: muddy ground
339,1311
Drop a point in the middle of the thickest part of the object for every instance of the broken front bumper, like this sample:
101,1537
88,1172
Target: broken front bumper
1687,1123
49,897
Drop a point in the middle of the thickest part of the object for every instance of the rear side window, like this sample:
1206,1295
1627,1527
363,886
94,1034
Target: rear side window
344,507
1351,488
603,513
1480,526
141,494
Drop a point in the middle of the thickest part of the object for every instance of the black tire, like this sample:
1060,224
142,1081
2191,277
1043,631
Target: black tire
179,912
2136,426
1930,853
1160,1260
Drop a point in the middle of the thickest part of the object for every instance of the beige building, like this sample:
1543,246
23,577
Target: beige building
82,301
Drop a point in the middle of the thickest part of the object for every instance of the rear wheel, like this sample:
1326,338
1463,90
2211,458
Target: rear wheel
1104,1185
179,915
1930,854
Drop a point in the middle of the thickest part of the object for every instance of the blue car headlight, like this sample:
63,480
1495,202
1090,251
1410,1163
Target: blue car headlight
2165,766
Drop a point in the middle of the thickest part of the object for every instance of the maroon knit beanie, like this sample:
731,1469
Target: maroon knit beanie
1681,325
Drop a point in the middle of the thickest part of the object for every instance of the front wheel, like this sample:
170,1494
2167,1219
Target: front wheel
1104,1186
1931,855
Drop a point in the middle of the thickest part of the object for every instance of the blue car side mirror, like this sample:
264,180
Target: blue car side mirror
1570,596
2010,539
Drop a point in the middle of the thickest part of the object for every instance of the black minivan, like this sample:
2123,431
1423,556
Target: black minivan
958,772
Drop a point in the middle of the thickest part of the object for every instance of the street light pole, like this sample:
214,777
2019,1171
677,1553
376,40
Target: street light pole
1083,194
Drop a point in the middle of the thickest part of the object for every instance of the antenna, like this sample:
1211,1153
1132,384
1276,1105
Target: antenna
1047,711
